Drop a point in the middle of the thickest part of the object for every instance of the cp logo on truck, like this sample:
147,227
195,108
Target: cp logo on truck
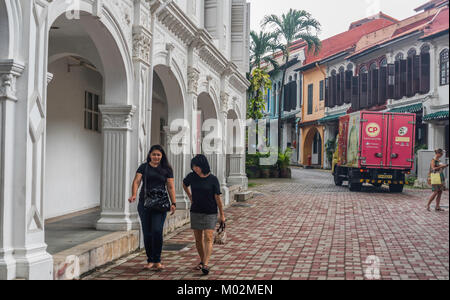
373,130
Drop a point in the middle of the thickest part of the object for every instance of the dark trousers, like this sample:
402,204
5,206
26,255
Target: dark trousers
152,227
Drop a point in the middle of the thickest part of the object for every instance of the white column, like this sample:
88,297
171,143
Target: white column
9,72
26,194
116,180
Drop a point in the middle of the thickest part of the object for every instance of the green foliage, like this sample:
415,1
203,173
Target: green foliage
284,159
260,83
330,147
261,44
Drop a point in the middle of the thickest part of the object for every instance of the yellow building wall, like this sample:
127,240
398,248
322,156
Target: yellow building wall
312,76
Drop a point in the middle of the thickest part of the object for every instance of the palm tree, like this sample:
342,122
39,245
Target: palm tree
290,27
261,45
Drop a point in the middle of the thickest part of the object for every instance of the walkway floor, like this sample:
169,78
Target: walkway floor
307,228
69,232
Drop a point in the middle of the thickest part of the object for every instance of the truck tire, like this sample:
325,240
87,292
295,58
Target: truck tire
337,180
396,188
355,187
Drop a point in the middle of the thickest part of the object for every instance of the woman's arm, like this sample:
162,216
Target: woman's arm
220,205
171,189
188,192
172,194
134,189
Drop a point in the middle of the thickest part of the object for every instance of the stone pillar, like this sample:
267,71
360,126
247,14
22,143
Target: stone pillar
178,162
116,180
9,72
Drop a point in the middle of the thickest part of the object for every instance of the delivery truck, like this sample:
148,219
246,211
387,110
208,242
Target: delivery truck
374,148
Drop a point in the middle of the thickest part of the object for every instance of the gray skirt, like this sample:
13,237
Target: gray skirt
203,221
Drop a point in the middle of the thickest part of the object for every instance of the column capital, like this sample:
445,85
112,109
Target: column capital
117,117
193,78
10,70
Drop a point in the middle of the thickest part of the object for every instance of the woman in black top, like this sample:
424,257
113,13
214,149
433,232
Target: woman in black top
205,198
156,172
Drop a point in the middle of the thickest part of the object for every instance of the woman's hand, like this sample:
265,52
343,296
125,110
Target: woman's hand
132,199
222,219
173,209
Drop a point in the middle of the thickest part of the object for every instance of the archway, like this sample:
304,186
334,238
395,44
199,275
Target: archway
87,98
207,112
313,148
168,103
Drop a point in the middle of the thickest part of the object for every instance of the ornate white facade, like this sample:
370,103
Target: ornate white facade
146,63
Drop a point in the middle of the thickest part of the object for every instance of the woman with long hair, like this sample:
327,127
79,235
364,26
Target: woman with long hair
156,175
204,194
438,189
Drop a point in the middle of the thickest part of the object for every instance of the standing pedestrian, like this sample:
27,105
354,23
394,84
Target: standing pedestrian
205,198
437,168
157,176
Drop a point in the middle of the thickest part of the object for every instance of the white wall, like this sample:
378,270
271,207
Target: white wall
74,155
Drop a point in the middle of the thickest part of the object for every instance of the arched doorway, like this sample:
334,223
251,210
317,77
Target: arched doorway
168,107
313,148
233,147
208,115
88,126
168,103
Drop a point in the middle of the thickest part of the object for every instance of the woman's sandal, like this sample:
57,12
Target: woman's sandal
205,270
199,267
148,267
439,210
160,268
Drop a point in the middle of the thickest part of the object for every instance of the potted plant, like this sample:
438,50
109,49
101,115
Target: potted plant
274,172
265,171
284,161
252,166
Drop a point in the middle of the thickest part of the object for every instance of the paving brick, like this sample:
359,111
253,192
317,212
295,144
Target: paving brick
311,229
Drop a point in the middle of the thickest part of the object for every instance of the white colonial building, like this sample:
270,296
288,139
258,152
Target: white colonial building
87,87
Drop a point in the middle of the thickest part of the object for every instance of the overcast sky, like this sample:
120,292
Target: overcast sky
335,16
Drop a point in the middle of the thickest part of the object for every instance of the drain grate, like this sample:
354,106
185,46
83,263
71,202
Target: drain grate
175,247
242,205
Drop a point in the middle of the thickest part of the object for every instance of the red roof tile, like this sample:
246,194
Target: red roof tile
439,24
346,40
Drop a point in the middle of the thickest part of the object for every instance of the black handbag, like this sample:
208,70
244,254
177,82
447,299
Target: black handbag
157,198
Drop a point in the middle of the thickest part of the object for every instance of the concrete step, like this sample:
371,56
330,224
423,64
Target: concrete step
243,196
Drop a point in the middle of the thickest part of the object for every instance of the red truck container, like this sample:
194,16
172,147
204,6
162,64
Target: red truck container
375,148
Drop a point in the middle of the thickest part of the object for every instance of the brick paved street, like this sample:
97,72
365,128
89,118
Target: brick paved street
306,228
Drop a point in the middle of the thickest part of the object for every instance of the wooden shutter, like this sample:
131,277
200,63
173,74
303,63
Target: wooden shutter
391,81
403,78
333,89
416,74
294,95
364,90
286,97
383,86
409,76
375,87
369,89
310,99
327,92
342,88
348,87
425,73
355,93
397,93
338,90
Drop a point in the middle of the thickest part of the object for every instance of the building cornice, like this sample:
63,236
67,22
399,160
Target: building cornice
177,22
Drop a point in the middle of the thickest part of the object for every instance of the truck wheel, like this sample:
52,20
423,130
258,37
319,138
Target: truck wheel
337,180
396,188
354,187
